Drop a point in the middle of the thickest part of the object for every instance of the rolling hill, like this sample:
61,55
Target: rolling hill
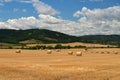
48,36
34,36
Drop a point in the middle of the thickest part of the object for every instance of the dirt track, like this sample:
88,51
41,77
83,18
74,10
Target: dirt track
95,64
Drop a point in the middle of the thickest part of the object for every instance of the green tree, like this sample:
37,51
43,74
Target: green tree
58,46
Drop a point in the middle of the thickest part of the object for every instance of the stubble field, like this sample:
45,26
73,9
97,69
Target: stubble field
94,64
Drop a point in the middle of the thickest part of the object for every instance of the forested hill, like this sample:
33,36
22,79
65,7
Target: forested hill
47,36
34,36
103,39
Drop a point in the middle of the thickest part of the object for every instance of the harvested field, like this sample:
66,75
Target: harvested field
74,44
94,64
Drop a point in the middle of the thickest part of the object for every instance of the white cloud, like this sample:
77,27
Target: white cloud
43,22
96,21
39,6
100,21
21,23
82,27
43,8
110,13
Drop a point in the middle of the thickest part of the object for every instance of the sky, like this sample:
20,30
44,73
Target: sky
73,17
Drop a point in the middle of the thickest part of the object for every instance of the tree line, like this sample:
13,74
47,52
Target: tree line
57,46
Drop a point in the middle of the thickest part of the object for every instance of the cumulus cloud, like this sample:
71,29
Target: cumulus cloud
40,6
82,27
43,8
96,21
100,21
43,22
110,13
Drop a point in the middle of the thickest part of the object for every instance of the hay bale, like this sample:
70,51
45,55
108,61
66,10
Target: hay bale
115,52
58,50
70,52
79,53
86,49
49,51
18,51
97,52
107,52
102,52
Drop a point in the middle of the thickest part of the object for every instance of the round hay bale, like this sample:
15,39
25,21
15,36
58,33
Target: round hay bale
97,52
79,53
107,52
18,51
49,51
58,50
86,49
115,52
70,52
102,52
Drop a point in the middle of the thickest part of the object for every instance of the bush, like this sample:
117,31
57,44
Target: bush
79,46
10,47
58,46
50,47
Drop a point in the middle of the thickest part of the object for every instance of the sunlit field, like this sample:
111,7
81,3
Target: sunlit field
94,64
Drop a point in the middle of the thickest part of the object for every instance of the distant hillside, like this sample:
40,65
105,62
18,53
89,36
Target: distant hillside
103,39
47,36
34,36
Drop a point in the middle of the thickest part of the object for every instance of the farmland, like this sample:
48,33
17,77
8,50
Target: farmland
94,64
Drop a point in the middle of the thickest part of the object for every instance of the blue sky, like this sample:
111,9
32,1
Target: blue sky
14,9
74,17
